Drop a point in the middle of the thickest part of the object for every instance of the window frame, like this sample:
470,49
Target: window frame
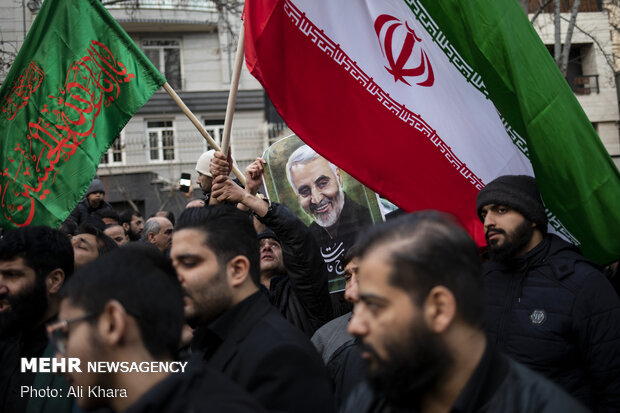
109,154
213,125
161,65
160,147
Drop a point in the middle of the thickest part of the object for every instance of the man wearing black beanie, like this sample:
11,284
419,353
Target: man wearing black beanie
547,306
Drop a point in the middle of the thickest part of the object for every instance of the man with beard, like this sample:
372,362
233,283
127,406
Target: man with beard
205,179
546,305
106,313
337,218
419,319
133,223
238,331
34,264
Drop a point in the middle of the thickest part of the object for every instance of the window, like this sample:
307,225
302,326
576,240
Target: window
166,56
581,73
215,127
160,137
115,154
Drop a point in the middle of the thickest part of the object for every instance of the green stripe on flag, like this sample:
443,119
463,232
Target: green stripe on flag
76,82
577,177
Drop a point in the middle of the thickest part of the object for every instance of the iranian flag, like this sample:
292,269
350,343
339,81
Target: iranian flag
75,83
426,101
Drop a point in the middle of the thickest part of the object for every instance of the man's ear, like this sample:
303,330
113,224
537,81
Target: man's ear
54,281
439,309
150,237
238,270
112,324
339,176
126,226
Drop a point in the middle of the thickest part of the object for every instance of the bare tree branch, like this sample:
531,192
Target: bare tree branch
608,58
541,7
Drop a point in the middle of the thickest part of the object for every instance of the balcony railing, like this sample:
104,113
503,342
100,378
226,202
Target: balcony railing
584,85
565,6
195,5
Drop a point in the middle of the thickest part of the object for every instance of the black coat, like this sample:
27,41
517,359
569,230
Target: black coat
83,213
334,243
29,345
32,344
198,389
257,348
555,312
301,294
497,385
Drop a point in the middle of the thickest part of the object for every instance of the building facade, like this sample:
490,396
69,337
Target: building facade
591,70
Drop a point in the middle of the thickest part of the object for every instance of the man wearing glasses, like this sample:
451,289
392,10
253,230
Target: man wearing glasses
126,309
34,264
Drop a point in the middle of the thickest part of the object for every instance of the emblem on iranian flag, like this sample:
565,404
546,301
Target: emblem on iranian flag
390,30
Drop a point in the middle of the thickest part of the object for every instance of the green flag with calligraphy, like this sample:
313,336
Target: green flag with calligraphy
75,83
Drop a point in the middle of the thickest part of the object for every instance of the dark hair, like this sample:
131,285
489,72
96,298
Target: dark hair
107,213
68,227
427,249
143,280
228,231
350,254
104,243
127,215
42,248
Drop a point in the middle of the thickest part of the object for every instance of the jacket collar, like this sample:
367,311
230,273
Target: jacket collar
230,328
529,259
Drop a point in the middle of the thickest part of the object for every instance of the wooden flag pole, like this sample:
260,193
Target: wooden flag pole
234,87
200,128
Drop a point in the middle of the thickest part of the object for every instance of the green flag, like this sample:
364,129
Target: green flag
75,83
576,176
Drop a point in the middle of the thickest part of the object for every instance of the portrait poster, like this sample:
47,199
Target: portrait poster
334,205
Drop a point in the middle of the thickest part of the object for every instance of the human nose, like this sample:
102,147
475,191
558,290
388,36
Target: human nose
316,195
489,220
357,325
350,293
175,264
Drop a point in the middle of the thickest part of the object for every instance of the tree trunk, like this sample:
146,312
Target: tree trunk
569,36
557,49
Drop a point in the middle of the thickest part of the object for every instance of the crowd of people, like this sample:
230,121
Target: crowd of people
237,287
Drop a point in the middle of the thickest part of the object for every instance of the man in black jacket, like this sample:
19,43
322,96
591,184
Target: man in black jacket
108,316
291,269
238,331
34,264
546,305
419,319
